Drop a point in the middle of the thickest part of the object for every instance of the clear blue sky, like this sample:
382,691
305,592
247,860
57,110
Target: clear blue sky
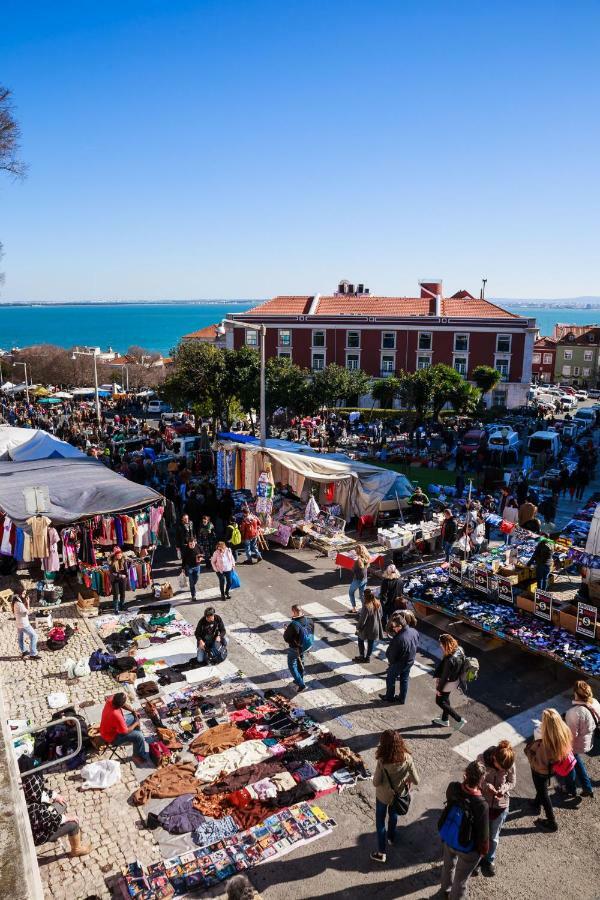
242,149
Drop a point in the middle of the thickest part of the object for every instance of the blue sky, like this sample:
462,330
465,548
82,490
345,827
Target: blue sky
243,149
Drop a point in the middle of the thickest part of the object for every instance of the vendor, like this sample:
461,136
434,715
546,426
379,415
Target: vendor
47,813
120,725
118,578
209,633
417,502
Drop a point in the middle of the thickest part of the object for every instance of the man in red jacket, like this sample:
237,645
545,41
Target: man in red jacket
249,528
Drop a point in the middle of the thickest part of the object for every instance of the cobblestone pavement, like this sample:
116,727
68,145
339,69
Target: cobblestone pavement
108,822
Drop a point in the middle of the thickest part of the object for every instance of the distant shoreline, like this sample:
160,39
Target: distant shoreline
30,303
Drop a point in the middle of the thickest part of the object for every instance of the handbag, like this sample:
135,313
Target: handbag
401,802
565,766
507,527
235,580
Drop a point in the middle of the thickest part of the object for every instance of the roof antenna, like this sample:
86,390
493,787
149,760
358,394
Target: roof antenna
482,292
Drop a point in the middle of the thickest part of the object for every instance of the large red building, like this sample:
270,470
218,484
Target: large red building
385,335
543,360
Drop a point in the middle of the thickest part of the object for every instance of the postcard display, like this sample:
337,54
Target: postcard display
243,822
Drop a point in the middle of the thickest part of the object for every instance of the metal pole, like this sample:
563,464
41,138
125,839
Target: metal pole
26,383
96,390
263,411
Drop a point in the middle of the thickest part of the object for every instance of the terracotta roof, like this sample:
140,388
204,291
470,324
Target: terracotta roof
464,305
204,334
545,343
592,336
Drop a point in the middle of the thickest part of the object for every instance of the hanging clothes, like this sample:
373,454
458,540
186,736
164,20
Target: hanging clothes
51,562
39,531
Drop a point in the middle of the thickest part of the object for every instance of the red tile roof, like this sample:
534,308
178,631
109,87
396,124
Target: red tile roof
463,305
545,343
203,334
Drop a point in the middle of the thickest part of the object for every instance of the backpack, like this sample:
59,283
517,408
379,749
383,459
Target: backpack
456,827
470,670
99,660
217,654
236,536
306,637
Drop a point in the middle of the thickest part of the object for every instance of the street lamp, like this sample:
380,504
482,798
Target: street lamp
221,330
77,353
18,363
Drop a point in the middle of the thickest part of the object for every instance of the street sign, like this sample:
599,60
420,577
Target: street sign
543,605
587,616
480,577
455,568
505,590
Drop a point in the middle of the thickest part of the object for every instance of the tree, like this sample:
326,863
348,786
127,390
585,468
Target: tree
286,385
444,380
464,398
199,377
415,390
10,137
486,378
241,382
359,384
330,386
385,390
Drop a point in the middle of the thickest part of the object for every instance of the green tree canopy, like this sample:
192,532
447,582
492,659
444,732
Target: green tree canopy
286,385
464,398
385,390
486,378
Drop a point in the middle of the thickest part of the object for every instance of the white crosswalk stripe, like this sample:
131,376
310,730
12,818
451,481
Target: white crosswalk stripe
315,697
516,729
366,681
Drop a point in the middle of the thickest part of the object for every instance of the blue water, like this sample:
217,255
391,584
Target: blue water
159,326
118,325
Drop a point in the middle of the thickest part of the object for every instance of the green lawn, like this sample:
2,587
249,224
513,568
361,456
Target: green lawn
419,475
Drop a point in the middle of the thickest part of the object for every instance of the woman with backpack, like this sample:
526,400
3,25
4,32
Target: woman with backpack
369,627
223,564
550,753
500,779
447,675
360,571
394,772
233,536
583,720
464,830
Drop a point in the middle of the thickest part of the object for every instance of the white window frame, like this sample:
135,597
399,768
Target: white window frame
353,353
586,372
588,355
567,354
280,341
383,336
429,349
461,334
463,357
502,361
566,371
576,371
500,337
384,373
423,355
547,359
312,361
350,346
319,331
251,337
536,358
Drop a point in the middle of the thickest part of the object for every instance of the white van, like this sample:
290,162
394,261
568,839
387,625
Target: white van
586,416
544,440
158,407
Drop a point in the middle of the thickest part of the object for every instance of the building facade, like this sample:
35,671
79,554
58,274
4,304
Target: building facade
543,361
578,359
386,335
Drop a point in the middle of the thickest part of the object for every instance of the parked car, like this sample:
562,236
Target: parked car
473,440
581,395
504,443
567,389
594,393
158,407
586,416
567,402
544,440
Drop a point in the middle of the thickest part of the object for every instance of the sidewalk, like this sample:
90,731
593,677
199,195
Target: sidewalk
108,822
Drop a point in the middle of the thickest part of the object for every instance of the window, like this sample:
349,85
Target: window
576,370
388,340
586,373
352,361
460,364
499,397
285,337
547,358
285,353
536,358
388,365
502,365
353,339
318,338
567,354
318,362
503,342
251,338
588,355
424,341
461,343
423,362
566,370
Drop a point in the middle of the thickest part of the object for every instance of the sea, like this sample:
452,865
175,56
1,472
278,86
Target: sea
159,326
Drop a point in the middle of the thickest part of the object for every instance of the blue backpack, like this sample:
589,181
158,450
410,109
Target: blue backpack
456,827
306,636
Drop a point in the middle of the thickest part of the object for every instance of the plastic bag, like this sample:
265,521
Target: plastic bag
182,580
81,668
100,775
70,667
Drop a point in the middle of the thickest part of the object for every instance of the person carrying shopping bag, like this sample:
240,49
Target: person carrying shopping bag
223,564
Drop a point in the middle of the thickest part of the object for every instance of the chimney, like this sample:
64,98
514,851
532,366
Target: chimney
351,289
360,289
432,290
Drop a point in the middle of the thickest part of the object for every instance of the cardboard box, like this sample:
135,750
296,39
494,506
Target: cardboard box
568,618
88,602
423,611
527,605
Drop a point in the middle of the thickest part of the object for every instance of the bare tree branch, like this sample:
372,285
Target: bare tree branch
10,137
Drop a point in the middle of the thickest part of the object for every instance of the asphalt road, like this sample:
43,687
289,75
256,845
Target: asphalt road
530,864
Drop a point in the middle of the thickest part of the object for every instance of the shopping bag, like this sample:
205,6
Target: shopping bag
235,580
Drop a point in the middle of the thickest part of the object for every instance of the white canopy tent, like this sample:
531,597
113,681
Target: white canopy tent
25,444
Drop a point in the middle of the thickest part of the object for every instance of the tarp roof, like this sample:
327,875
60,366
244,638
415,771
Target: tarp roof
33,443
78,489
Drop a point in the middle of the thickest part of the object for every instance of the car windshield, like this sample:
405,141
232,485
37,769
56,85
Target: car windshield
538,444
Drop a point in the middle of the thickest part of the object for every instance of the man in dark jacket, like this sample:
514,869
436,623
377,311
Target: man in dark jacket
417,502
542,560
449,531
209,632
297,635
185,532
192,559
459,864
401,654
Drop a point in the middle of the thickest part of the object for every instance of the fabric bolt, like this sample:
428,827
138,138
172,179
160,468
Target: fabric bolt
215,740
240,799
263,790
305,771
296,794
170,781
254,813
283,781
328,766
322,784
214,806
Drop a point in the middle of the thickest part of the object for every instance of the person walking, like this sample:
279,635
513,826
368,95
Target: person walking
249,529
527,511
500,779
463,847
447,676
390,594
360,572
299,636
395,770
233,536
185,533
510,515
583,479
223,564
118,578
210,634
192,560
207,538
546,751
369,627
400,654
583,718
449,532
20,609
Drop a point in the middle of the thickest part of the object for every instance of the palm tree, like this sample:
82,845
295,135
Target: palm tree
486,378
464,398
